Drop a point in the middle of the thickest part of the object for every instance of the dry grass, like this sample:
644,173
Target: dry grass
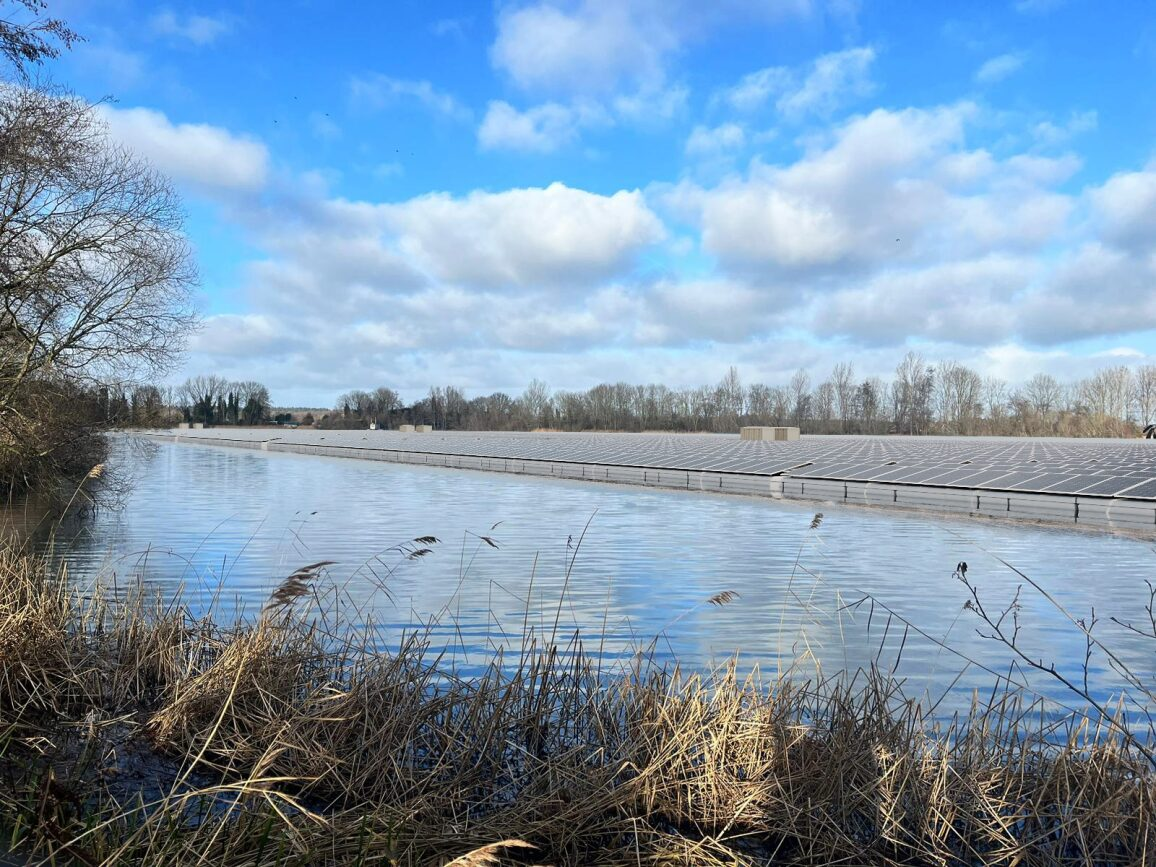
131,733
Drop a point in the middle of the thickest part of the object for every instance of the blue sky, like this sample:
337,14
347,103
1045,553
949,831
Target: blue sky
478,194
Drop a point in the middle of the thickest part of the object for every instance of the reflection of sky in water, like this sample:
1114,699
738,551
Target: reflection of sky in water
229,524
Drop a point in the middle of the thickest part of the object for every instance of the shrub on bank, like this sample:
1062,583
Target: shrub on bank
133,733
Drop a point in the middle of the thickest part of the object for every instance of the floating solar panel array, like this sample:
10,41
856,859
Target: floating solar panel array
1103,468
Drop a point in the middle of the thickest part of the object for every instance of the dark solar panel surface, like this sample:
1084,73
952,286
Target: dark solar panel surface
1086,467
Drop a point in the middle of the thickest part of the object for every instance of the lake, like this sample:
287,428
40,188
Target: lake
627,568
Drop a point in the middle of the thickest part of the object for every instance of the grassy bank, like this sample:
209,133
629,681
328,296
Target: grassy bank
134,733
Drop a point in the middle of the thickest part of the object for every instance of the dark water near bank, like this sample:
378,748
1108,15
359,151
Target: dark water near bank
626,567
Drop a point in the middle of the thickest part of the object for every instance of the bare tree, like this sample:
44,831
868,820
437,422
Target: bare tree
1144,393
201,395
95,275
30,41
843,379
911,393
957,397
871,397
823,406
759,402
1044,393
995,400
800,391
731,400
1108,396
536,404
252,401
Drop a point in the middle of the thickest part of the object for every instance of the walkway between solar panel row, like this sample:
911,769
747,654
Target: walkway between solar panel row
1121,469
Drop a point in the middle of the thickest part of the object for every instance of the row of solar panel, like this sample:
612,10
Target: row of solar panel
1098,468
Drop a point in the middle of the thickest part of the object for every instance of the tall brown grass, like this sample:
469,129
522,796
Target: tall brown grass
132,732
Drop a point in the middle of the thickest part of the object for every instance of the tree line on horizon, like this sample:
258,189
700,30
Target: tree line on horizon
920,398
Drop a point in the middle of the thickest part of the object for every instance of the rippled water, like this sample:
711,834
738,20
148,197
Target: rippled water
628,567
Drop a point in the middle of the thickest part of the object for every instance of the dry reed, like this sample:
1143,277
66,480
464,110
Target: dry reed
134,733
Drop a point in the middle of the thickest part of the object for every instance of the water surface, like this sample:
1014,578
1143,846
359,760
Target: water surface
625,567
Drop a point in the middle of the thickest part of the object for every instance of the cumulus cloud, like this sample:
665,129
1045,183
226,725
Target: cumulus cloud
845,202
706,141
1125,208
590,48
890,229
885,190
1048,133
552,126
197,29
718,309
598,46
237,335
965,302
541,237
599,63
542,129
831,81
381,91
651,106
197,154
362,283
998,68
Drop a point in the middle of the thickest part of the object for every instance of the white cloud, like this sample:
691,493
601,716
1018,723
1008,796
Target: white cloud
1095,290
755,89
541,129
963,302
842,203
614,55
1125,208
998,68
544,238
345,289
600,46
1038,6
890,229
831,81
552,126
198,29
202,155
705,141
716,309
235,335
381,91
590,48
455,27
1050,134
651,106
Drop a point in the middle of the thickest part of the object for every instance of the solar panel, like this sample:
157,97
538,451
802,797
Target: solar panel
1108,487
1041,481
1092,468
1142,490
